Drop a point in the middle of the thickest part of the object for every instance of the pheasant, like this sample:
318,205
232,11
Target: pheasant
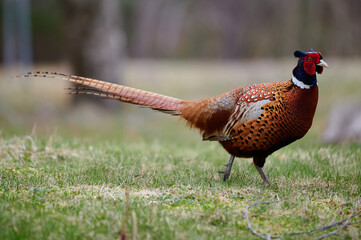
249,122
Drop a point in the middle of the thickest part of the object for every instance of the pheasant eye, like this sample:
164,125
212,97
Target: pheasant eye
309,59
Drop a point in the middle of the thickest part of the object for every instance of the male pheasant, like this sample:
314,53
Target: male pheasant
249,122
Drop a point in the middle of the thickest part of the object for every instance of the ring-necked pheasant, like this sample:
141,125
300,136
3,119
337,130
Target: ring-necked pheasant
252,121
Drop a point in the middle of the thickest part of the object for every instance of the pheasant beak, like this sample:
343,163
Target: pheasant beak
323,64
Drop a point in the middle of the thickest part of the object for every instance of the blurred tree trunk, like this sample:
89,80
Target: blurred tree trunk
93,32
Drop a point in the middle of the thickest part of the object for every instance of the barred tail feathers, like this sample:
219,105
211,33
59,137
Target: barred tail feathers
90,86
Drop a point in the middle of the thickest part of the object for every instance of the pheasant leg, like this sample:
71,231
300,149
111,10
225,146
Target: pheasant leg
263,175
227,172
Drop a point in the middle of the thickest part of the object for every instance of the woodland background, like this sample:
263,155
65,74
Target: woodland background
229,29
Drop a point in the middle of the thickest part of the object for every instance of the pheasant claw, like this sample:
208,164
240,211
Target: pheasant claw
227,172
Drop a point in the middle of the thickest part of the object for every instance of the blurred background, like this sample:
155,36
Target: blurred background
186,49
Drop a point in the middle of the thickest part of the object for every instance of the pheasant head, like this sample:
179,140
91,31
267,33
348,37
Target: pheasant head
309,63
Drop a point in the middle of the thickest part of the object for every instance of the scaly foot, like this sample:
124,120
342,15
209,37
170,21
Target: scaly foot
227,172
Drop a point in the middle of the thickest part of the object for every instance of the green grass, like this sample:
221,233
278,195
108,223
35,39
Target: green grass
65,188
66,173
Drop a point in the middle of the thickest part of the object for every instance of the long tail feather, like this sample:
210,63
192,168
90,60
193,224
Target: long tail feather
115,91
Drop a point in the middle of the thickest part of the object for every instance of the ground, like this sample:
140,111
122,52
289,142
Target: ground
85,173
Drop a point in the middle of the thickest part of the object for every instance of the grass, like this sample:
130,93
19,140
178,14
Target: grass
69,188
142,175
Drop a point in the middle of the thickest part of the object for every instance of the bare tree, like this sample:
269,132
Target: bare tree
94,38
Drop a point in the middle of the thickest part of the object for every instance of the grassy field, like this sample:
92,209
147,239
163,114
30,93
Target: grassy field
85,173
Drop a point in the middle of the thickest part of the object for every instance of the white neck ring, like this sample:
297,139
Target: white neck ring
300,84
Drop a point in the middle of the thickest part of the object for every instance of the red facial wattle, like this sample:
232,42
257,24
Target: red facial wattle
309,63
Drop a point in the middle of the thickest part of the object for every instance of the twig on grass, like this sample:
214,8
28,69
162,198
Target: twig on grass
339,212
135,228
345,222
123,234
267,236
126,210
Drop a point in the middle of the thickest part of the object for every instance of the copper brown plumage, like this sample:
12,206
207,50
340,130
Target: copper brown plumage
252,121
